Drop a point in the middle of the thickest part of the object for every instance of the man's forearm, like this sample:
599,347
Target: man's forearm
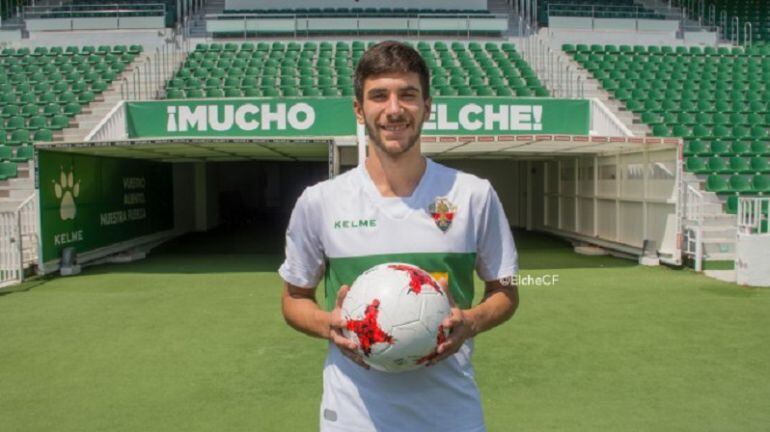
498,305
303,314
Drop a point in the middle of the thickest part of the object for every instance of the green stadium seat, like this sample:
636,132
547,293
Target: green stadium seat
715,183
8,170
43,135
19,137
6,153
740,183
760,183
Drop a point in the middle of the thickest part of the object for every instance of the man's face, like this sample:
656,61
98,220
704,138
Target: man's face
393,111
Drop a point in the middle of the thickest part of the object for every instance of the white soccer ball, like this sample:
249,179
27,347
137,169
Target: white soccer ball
394,313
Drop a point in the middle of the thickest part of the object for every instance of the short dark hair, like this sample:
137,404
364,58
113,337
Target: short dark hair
389,57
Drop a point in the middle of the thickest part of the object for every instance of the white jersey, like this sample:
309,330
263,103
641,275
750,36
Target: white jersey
452,224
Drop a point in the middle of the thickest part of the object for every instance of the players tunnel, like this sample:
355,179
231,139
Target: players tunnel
109,198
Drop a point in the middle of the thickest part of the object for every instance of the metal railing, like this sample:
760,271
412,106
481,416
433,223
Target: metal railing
693,213
19,241
753,215
147,80
564,78
104,10
412,24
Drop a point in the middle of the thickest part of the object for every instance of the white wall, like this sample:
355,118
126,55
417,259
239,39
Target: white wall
288,4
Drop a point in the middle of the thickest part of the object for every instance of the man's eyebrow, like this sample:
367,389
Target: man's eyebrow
408,88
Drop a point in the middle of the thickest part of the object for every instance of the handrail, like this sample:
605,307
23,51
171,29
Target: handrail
752,211
747,34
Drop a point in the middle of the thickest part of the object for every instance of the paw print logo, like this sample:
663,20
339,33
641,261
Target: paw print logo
67,190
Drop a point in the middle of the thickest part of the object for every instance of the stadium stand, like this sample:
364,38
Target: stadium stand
714,98
44,88
325,69
595,9
746,11
91,15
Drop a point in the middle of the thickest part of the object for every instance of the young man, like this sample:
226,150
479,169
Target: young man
416,211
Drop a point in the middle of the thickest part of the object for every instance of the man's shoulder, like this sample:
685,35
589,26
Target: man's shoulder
463,180
328,189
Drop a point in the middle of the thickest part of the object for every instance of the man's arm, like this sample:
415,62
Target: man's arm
497,306
301,311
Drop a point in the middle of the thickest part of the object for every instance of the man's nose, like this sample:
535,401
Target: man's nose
394,105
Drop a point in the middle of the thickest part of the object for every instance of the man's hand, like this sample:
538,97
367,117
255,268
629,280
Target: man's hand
458,326
337,325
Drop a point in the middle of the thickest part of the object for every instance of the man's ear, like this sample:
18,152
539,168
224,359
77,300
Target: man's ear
428,104
358,109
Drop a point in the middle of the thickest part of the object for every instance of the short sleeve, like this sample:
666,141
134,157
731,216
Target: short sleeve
304,262
496,252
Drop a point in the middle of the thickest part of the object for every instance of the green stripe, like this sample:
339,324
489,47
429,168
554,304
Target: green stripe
459,267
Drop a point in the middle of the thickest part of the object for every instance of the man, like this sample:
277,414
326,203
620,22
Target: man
415,211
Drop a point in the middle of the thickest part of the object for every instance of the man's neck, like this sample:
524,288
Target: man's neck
395,177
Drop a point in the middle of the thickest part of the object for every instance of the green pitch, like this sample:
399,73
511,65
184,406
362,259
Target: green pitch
192,339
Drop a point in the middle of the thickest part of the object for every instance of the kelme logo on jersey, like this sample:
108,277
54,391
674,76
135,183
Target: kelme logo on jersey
355,223
443,213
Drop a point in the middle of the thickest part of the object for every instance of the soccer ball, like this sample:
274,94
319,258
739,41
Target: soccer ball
394,313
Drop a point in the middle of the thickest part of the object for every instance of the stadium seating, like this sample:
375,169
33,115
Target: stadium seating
751,11
326,69
111,8
344,11
715,98
42,89
593,8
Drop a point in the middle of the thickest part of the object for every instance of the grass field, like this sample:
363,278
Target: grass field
192,339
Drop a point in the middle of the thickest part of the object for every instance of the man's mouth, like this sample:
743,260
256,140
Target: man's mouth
394,127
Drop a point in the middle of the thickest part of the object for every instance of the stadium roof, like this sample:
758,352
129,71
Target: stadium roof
317,149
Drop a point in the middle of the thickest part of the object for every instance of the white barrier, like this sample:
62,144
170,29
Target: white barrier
19,241
112,127
753,215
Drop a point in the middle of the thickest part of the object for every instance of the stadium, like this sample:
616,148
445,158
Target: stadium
151,153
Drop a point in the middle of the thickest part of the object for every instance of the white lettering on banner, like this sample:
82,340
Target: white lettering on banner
240,117
465,117
191,119
296,110
171,119
112,218
521,117
488,117
491,117
67,238
226,123
279,116
133,182
221,118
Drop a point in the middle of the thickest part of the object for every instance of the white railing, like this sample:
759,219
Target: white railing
19,241
753,215
693,213
605,122
112,126
561,77
148,79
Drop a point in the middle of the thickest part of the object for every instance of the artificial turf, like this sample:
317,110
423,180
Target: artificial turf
192,339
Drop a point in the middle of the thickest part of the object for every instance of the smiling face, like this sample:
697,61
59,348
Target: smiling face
393,109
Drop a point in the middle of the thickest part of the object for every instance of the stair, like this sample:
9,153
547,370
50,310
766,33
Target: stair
198,22
718,232
591,87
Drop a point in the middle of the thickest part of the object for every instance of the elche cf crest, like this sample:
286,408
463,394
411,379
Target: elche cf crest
443,212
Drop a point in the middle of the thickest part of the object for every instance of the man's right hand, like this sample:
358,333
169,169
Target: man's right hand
337,325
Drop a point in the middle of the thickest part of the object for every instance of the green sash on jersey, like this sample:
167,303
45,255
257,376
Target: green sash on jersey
458,266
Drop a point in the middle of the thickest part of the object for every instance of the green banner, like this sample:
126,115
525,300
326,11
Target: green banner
89,202
327,117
